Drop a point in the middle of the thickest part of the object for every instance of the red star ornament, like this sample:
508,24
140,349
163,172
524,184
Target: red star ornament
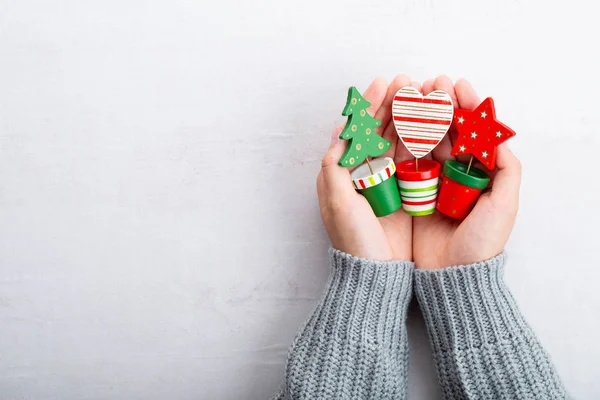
480,133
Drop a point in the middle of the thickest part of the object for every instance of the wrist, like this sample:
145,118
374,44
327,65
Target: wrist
458,255
340,256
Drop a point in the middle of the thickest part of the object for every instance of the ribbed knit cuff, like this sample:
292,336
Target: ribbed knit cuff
354,345
482,347
368,291
468,306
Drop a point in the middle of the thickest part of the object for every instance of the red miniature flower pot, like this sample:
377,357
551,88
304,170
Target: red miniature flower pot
459,191
418,189
380,191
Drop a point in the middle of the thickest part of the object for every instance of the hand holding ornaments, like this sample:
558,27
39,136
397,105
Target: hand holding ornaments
433,241
421,123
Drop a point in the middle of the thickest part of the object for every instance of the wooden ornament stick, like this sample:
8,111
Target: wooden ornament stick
416,164
469,167
369,164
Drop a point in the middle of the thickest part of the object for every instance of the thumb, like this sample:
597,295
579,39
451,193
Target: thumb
505,189
335,176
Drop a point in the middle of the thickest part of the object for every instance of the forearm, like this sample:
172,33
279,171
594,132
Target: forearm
482,346
354,345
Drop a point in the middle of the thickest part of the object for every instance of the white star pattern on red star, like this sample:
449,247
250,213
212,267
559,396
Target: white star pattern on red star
480,133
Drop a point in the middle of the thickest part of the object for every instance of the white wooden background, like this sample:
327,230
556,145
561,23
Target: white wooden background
159,230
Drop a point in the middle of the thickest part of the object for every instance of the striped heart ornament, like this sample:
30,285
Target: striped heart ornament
421,121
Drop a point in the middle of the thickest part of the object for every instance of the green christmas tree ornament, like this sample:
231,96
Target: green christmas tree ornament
360,131
374,179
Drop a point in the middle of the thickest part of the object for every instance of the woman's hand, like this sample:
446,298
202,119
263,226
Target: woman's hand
349,220
436,241
439,241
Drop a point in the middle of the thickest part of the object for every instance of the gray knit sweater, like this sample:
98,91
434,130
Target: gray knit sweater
355,346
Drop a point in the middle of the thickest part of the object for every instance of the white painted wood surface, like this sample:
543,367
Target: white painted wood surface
159,230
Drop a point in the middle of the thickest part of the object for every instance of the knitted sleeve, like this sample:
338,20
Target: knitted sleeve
482,346
354,345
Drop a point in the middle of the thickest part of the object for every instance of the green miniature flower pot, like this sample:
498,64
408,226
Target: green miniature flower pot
380,191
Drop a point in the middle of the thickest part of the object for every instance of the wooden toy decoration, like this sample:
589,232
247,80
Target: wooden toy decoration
372,179
479,134
421,123
418,187
360,130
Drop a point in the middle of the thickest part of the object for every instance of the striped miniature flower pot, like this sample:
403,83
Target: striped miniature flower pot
459,191
418,188
380,191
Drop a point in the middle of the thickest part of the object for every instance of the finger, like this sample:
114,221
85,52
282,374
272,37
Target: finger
375,94
444,83
416,85
427,87
466,95
385,113
492,173
441,152
402,153
507,182
335,176
336,149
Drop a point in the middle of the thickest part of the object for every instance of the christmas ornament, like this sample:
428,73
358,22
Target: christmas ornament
418,188
360,131
372,179
479,134
376,183
460,190
421,122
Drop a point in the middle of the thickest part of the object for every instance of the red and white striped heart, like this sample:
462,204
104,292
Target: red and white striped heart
421,122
